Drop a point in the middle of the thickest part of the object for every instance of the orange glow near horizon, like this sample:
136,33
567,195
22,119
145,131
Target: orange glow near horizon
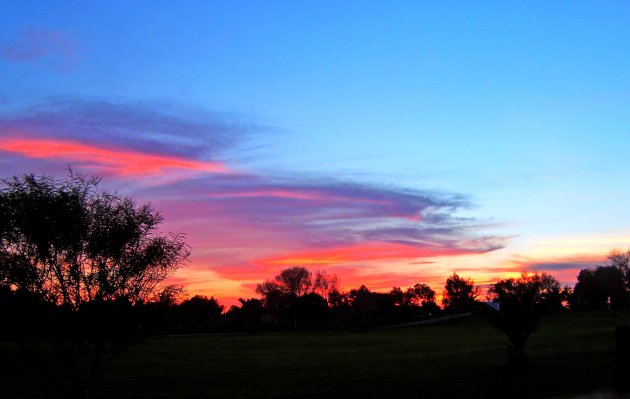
118,161
381,265
359,265
358,253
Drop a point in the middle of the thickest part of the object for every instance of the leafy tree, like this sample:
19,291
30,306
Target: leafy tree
423,296
459,294
418,295
550,295
199,312
248,316
281,294
324,284
604,287
294,281
363,305
309,309
84,260
398,296
338,300
621,260
375,308
521,303
297,281
518,313
601,288
412,303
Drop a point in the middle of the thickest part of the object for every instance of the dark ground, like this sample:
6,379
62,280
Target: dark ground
572,354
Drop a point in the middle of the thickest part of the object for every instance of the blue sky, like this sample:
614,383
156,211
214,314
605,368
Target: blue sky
519,107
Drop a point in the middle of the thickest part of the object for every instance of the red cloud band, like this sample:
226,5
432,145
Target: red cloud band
116,161
361,253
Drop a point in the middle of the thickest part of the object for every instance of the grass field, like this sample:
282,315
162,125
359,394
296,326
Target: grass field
572,354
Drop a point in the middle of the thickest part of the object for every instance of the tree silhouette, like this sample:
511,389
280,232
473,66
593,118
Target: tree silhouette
459,294
423,296
297,281
415,302
601,288
521,303
604,287
552,296
198,312
246,317
309,310
363,305
621,260
81,260
282,295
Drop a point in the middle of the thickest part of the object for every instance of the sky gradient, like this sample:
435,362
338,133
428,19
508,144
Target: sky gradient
386,143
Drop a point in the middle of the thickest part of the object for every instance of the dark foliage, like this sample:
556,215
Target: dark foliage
601,288
198,313
296,298
459,295
76,264
621,261
520,304
247,317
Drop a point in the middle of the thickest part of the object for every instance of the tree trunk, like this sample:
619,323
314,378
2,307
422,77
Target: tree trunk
80,386
516,354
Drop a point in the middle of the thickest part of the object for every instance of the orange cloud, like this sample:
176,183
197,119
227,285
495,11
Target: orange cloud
116,161
360,253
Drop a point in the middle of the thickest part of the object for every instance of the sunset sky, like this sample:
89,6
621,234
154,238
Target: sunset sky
388,143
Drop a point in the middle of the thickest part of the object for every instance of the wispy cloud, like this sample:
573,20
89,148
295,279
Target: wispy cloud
113,161
246,226
48,46
152,128
565,267
253,226
369,251
120,139
572,263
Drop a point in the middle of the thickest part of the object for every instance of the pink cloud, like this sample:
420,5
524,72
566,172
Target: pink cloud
360,253
284,194
296,194
115,161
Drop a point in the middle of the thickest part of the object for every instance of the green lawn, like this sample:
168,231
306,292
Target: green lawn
571,354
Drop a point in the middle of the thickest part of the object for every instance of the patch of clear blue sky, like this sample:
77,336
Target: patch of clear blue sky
523,105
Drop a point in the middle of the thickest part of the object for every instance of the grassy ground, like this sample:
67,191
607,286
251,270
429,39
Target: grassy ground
571,354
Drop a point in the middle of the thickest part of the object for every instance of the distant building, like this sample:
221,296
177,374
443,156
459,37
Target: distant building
494,305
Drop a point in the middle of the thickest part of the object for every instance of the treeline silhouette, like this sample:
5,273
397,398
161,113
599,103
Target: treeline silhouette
298,299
